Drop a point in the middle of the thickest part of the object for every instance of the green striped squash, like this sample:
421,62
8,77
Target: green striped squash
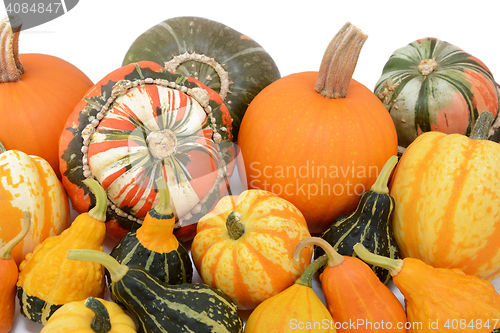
432,85
155,247
225,60
162,308
369,224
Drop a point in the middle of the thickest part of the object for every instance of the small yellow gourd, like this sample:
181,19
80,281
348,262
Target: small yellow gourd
47,280
296,309
93,315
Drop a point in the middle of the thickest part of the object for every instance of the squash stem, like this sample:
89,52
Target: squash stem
306,278
234,228
163,207
6,250
481,128
10,66
339,62
99,210
116,270
334,258
393,265
101,322
380,185
2,148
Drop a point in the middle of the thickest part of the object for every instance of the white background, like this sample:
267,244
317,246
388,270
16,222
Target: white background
95,35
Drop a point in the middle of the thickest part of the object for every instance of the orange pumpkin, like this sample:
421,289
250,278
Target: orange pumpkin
318,140
8,277
447,194
29,183
37,94
245,245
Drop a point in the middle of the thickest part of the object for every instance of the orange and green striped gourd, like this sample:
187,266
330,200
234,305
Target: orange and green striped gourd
355,294
432,85
440,299
245,245
447,194
47,280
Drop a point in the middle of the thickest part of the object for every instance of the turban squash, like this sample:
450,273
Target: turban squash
432,85
136,125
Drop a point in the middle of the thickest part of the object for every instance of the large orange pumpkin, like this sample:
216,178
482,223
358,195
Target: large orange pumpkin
245,246
318,140
37,94
447,194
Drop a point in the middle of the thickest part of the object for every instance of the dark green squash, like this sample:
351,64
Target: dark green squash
161,308
223,59
369,224
155,247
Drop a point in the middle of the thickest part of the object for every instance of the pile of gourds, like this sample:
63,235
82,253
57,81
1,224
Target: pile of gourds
402,184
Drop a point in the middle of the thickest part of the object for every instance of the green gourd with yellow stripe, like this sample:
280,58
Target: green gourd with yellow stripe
154,245
369,224
159,307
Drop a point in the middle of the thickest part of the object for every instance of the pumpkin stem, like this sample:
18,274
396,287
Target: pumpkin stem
393,265
101,205
101,322
427,66
2,148
163,207
306,278
339,62
380,185
10,66
116,270
481,128
6,250
234,228
334,258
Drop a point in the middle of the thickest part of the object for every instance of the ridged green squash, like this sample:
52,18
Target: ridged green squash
432,85
155,247
369,224
161,308
231,63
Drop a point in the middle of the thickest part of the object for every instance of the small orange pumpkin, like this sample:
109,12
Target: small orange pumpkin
245,245
37,94
447,194
318,140
29,183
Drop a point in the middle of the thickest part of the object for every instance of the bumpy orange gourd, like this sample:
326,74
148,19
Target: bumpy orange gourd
29,182
47,280
447,194
8,277
355,296
296,309
319,140
440,299
93,315
37,94
245,245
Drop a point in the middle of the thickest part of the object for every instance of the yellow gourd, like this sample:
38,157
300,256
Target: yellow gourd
296,309
47,280
93,315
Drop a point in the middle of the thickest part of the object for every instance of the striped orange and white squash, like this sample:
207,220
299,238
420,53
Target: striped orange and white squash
432,85
29,182
447,202
245,246
141,123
